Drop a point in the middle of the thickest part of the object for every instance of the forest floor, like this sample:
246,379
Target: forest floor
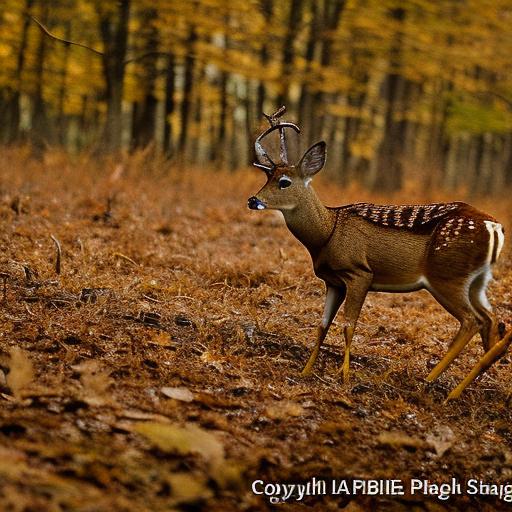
159,370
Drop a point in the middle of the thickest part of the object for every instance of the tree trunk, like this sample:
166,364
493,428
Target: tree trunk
249,123
355,100
305,106
389,175
40,129
266,8
114,34
194,152
143,126
61,123
170,85
12,106
220,143
186,103
332,12
288,56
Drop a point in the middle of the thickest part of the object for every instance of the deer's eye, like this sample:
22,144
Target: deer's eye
284,182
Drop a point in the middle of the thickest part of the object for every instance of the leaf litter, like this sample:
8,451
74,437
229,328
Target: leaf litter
159,370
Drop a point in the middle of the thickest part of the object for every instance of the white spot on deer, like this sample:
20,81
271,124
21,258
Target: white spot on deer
501,240
495,230
490,228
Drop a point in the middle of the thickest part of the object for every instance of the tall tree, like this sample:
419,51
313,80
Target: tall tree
332,12
287,62
390,151
113,24
169,103
266,7
144,109
40,127
13,107
188,81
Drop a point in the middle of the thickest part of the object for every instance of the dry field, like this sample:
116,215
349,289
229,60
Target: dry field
159,369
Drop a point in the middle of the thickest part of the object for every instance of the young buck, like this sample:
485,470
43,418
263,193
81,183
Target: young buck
445,248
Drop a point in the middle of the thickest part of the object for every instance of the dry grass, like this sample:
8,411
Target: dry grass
170,282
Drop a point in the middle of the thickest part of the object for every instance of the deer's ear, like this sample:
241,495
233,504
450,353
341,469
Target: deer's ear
313,160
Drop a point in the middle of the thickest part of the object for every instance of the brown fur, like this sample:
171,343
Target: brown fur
362,247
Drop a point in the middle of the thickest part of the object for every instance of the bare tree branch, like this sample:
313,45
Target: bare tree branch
68,42
65,41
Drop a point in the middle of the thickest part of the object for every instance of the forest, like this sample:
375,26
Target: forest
400,90
153,328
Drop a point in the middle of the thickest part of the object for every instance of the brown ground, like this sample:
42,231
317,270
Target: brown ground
175,284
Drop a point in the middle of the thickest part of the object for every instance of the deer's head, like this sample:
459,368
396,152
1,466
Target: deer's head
286,182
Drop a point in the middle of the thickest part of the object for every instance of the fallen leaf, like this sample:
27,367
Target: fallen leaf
95,381
182,440
284,409
186,488
180,393
162,339
21,372
441,440
400,439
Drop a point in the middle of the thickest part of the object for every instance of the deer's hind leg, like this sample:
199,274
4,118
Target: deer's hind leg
453,296
494,339
488,359
490,331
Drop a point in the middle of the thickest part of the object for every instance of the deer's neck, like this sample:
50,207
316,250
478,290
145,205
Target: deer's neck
310,222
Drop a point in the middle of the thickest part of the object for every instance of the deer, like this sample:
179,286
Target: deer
448,249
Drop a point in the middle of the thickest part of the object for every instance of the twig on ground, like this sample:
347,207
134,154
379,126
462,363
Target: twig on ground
321,380
59,255
124,257
151,299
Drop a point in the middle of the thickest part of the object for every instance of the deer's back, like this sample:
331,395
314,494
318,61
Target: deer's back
401,245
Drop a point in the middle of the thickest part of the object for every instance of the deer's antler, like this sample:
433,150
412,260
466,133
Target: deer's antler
264,161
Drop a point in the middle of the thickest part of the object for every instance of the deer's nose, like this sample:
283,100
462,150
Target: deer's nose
255,204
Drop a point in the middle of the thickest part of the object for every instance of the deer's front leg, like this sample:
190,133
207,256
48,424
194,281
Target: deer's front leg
333,300
357,289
